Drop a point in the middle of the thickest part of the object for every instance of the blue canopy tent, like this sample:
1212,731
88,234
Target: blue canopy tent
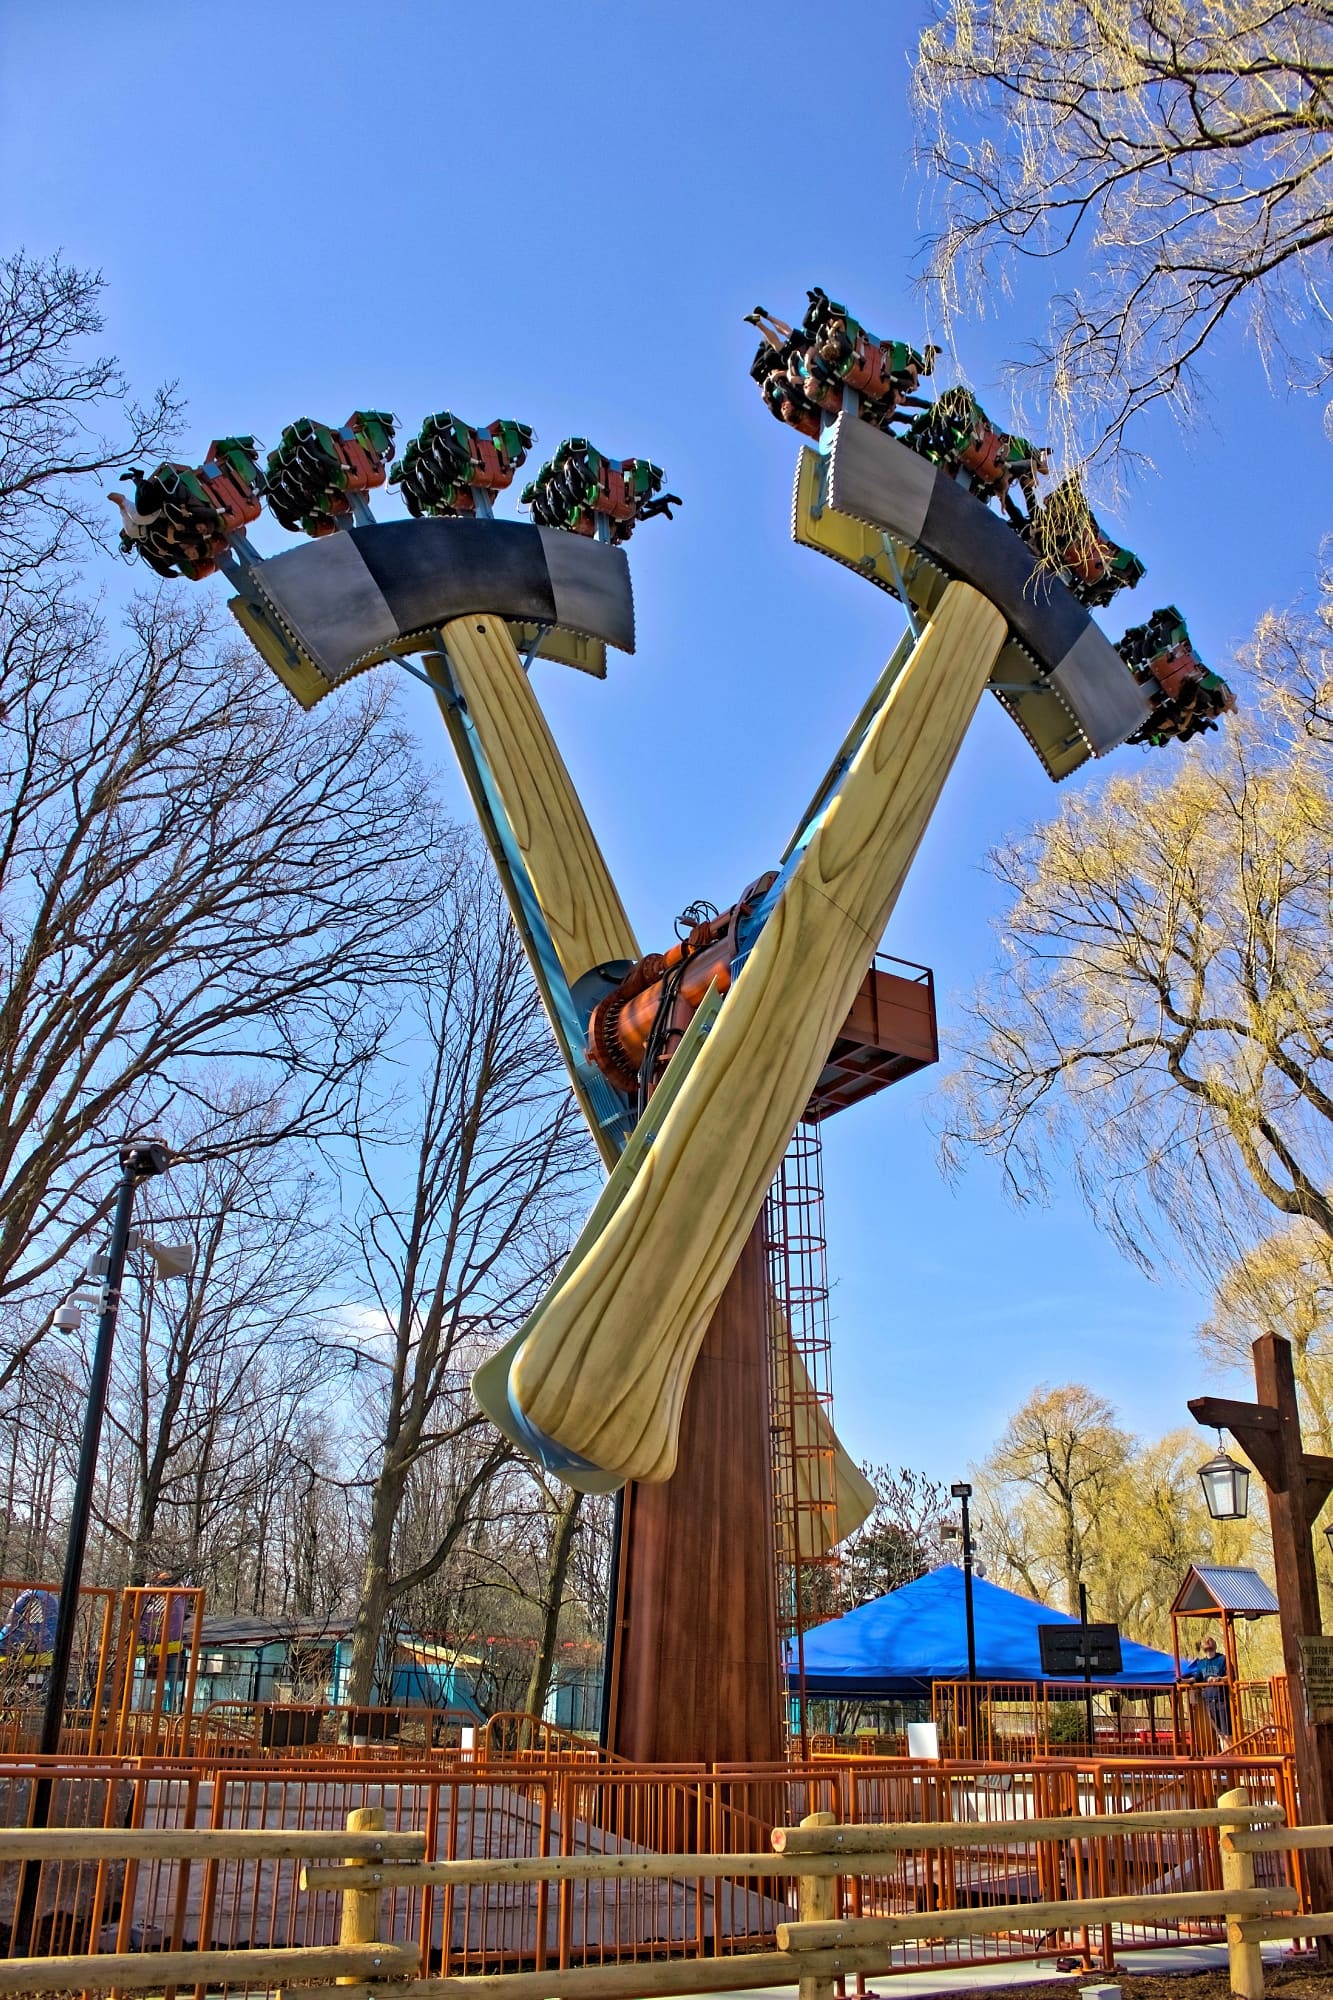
899,1644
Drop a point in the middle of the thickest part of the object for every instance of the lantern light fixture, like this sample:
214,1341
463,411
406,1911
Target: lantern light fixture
1226,1486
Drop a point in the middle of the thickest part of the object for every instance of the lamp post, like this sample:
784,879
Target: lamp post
1268,1431
139,1161
962,1493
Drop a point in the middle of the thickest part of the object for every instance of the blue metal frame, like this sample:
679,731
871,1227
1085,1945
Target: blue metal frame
611,1113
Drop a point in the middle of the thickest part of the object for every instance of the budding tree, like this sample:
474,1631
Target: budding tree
1158,1029
1057,1464
1281,1284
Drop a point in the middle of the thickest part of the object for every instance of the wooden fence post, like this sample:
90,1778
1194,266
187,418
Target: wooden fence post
819,1901
1246,1960
361,1907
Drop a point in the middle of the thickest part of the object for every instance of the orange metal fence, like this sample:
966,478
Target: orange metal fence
530,1809
132,1671
1015,1722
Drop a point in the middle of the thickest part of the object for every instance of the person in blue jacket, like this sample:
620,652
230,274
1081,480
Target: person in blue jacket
1211,1669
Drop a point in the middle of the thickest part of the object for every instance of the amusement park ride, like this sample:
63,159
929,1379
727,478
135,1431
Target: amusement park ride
650,1365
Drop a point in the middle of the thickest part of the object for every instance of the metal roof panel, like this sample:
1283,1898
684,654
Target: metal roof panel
1224,1587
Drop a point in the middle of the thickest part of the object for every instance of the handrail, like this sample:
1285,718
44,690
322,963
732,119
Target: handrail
571,1868
809,1851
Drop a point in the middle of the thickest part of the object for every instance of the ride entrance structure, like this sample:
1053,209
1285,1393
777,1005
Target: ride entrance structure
645,1368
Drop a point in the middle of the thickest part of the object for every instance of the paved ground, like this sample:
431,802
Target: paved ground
1174,1959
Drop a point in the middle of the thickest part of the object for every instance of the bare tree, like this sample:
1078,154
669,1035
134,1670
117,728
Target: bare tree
562,1522
1185,147
590,1555
39,1428
897,1542
1291,657
309,1531
189,869
213,1369
66,415
192,873
455,1251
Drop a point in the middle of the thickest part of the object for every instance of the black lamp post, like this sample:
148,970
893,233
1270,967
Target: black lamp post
963,1493
139,1161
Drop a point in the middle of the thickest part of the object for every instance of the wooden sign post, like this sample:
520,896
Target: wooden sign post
1268,1431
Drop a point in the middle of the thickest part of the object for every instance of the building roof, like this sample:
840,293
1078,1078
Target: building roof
899,1644
222,1635
1213,1587
248,1633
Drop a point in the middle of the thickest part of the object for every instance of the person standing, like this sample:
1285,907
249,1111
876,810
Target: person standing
1210,1668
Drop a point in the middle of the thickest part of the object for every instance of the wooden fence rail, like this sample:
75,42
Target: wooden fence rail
136,1971
822,1947
141,1971
1055,1916
817,1948
118,1843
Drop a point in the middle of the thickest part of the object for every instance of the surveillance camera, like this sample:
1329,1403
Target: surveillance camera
67,1319
144,1157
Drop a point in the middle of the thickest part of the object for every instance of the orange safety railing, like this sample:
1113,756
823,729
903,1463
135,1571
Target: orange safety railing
132,1671
510,1734
1008,1721
306,1730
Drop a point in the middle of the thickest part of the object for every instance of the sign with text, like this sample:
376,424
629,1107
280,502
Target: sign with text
1317,1674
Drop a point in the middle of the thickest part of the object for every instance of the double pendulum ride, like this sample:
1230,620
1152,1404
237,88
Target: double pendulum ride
648,1367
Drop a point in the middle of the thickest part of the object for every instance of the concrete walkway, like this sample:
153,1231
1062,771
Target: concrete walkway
1167,1960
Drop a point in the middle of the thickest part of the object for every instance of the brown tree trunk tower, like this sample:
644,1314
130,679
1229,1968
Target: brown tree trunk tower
695,1669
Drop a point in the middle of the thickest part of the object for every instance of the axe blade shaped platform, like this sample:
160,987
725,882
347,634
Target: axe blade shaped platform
876,480
324,611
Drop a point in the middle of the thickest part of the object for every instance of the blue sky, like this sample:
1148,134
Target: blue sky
561,213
